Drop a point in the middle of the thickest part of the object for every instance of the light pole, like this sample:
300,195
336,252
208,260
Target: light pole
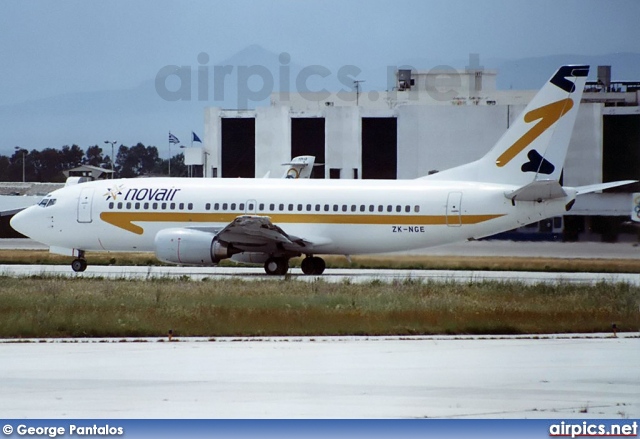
17,148
112,158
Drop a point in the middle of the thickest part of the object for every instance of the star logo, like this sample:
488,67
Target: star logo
112,194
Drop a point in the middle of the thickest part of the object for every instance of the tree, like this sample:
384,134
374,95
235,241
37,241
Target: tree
71,157
178,168
94,157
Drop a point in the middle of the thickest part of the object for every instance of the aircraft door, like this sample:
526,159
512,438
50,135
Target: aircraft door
85,203
250,207
454,209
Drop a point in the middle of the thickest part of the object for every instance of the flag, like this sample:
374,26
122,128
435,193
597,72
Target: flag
173,139
195,138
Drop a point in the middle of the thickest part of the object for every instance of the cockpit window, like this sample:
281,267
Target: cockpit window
46,202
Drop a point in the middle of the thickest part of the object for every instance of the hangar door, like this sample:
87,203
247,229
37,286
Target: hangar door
307,138
380,147
238,147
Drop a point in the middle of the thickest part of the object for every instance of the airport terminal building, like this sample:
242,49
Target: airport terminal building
431,121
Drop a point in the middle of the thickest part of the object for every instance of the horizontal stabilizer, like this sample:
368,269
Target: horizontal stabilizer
537,190
602,186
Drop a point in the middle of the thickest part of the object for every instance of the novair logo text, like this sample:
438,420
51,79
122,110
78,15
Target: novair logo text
151,194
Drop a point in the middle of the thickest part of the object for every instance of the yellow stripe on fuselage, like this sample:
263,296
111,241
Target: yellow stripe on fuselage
125,220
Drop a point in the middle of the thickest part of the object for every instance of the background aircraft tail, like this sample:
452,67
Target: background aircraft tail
535,146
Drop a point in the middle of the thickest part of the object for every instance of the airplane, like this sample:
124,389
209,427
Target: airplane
298,167
268,221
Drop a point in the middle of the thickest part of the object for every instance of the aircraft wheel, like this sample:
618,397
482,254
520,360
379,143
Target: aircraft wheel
275,266
319,265
79,265
312,265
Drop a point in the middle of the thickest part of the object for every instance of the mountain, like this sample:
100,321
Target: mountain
174,100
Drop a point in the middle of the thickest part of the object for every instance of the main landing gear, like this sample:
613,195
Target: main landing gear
312,265
274,266
80,263
280,265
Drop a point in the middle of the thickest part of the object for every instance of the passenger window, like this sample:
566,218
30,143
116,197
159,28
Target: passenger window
261,207
172,206
398,208
137,206
380,208
110,205
249,207
335,207
407,208
281,207
317,208
299,207
233,206
155,206
362,207
416,209
326,208
181,206
290,207
224,206
353,208
206,206
128,205
344,207
146,206
216,206
272,207
371,208
119,205
308,207
190,206
389,208
164,206
241,206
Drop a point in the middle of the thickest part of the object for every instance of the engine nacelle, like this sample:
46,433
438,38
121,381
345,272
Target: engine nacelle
190,247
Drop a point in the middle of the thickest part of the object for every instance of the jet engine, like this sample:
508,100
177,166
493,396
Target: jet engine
191,247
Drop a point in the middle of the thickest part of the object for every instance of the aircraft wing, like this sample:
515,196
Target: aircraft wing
258,233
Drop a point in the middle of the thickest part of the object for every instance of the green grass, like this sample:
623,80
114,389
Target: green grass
60,307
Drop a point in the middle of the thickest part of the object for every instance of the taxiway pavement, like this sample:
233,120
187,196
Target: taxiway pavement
590,376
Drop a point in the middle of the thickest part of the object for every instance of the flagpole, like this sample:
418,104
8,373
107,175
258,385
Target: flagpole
169,153
191,166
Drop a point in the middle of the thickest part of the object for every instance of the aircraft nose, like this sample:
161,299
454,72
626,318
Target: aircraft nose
22,223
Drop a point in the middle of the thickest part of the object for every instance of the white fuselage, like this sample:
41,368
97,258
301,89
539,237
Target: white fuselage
337,216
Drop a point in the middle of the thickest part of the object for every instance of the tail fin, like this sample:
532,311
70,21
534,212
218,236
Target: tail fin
535,146
299,167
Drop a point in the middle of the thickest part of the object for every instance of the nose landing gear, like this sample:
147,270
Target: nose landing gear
80,263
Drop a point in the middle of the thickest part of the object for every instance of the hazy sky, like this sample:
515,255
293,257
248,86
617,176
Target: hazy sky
51,47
